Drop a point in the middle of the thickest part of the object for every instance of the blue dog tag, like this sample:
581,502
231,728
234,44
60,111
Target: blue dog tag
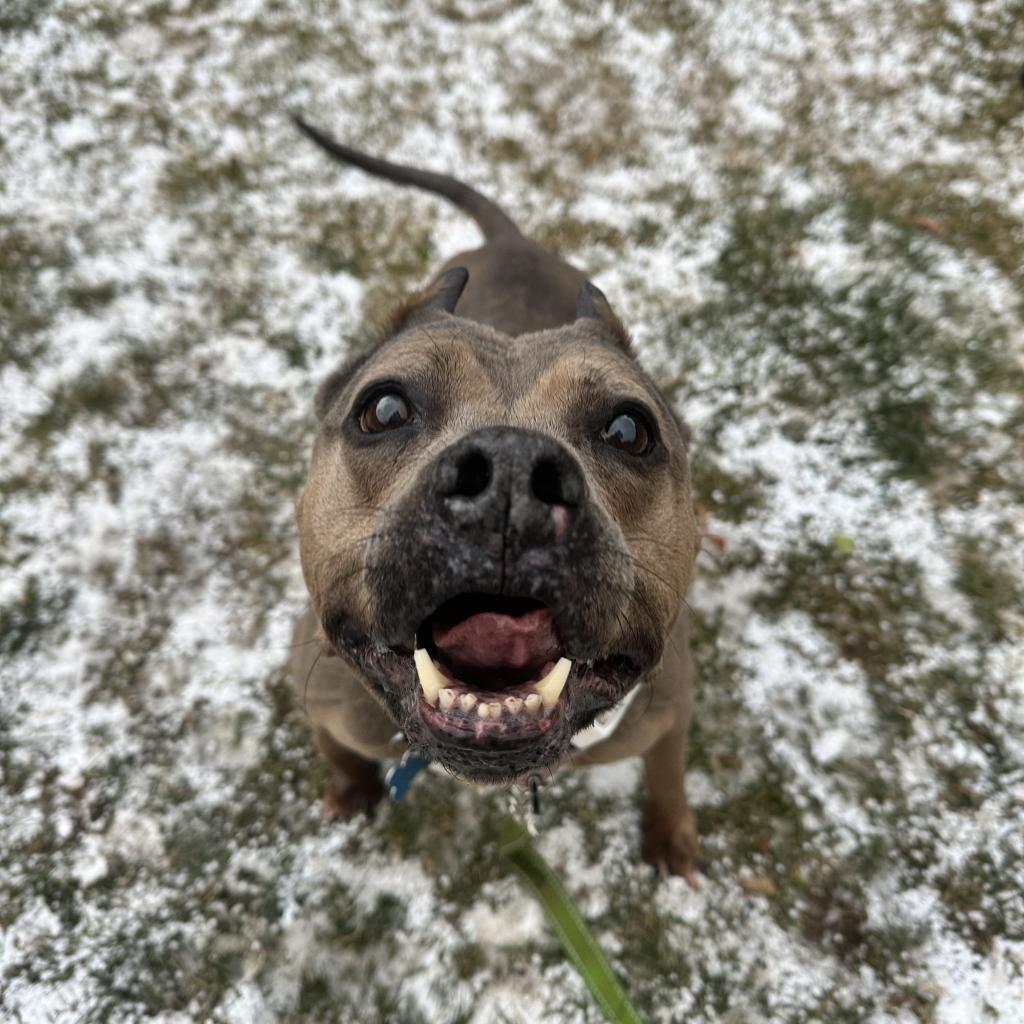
399,777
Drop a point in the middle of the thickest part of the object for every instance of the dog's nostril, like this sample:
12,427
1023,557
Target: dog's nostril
473,474
547,483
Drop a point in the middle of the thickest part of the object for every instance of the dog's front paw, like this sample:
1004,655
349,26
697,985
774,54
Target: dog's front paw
670,845
345,798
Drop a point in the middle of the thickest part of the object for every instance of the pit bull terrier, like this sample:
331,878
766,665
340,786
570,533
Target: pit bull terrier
497,534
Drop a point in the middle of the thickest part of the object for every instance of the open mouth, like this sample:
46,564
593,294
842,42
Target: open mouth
492,688
490,669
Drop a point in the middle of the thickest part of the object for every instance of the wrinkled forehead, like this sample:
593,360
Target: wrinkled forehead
477,363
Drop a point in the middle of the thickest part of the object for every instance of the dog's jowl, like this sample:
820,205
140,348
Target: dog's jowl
497,534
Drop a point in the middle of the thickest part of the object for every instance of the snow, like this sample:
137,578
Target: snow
178,270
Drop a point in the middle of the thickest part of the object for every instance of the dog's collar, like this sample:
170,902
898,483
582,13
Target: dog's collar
605,724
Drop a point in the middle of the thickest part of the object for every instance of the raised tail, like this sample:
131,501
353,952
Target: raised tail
493,221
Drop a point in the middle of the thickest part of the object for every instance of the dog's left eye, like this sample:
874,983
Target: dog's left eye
630,432
384,412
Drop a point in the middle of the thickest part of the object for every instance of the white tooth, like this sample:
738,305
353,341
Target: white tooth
532,703
484,711
430,679
448,698
513,705
495,711
467,701
551,686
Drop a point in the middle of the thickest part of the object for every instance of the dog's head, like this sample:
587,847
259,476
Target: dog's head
484,513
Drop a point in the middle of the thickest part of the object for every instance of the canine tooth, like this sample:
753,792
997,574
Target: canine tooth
532,703
430,679
551,686
448,698
513,705
467,701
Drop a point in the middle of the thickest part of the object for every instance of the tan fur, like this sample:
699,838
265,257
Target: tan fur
516,355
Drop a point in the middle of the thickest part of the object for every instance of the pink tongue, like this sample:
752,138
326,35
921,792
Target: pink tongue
490,640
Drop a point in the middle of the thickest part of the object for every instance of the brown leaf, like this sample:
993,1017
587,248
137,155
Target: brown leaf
757,885
929,224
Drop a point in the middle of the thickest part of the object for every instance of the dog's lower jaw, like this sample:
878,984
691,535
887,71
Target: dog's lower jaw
390,676
488,767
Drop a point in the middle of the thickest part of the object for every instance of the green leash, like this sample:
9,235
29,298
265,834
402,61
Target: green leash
577,940
579,944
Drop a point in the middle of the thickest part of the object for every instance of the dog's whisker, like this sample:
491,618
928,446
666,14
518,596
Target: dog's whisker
305,685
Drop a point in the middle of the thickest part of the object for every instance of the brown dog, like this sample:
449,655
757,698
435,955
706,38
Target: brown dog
497,534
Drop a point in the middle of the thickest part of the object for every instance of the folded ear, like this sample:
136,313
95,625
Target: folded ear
438,298
444,293
591,304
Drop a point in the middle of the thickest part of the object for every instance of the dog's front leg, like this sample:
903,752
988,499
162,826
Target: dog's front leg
354,784
669,825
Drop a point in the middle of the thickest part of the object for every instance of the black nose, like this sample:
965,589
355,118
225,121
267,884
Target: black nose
503,478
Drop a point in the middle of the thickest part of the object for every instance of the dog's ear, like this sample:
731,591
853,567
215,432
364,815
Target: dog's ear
444,293
435,300
591,304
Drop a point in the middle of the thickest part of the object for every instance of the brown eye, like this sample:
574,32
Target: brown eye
629,432
384,412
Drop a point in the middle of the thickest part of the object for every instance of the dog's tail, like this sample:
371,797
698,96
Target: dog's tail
493,221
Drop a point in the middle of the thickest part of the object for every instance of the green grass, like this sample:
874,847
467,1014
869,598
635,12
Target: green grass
856,304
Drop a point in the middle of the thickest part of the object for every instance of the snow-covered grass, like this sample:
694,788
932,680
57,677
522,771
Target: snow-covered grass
812,218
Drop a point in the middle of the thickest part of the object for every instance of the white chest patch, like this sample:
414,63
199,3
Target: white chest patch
605,724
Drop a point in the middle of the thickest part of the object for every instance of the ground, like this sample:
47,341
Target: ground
812,218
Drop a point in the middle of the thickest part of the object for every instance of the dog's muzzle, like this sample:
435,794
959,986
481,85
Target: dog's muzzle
506,583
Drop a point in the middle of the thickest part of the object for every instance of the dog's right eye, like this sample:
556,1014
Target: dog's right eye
384,412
